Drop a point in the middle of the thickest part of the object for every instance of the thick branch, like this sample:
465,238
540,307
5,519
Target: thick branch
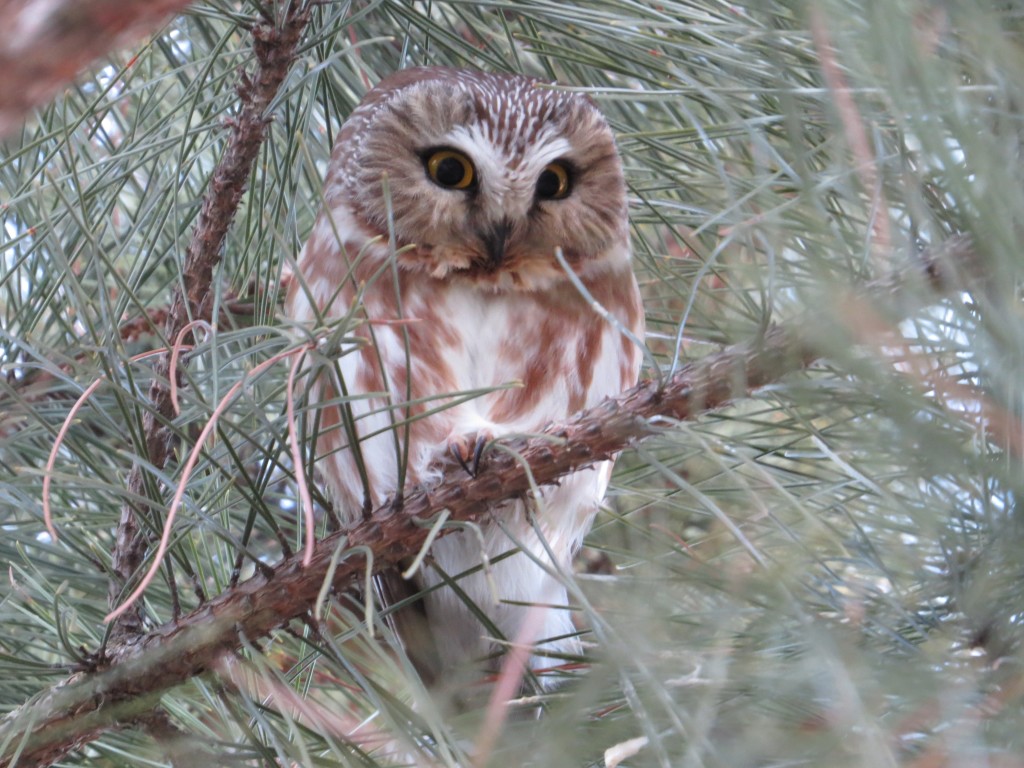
46,43
140,668
274,48
144,665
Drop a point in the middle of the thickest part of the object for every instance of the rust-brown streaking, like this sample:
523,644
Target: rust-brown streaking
462,290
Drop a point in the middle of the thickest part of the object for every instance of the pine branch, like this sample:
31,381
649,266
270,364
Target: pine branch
139,668
38,385
234,308
766,145
274,47
46,43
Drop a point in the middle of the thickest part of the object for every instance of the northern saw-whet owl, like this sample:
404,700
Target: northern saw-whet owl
448,193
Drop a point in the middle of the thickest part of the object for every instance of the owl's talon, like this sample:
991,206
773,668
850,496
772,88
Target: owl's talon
492,312
456,452
459,448
478,451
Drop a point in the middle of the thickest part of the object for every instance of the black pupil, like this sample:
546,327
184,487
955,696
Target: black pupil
548,184
450,172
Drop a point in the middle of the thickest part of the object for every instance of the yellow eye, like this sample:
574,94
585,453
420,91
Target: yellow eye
450,169
554,182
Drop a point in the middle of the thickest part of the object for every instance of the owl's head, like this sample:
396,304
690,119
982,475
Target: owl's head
486,175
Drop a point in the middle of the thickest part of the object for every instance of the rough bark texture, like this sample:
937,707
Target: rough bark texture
140,667
274,49
47,42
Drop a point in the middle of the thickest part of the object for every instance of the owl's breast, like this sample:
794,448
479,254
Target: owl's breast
514,360
448,360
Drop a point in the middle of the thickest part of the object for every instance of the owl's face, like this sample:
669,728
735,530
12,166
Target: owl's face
485,176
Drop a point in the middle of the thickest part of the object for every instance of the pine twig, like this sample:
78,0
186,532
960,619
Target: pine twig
140,667
274,48
137,670
47,42
233,308
36,385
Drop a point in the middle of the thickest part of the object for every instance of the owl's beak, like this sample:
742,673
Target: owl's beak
495,241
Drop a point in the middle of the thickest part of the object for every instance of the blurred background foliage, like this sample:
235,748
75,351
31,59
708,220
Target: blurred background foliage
827,573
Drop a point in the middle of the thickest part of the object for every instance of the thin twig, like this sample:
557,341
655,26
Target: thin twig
274,48
59,441
513,669
46,42
39,384
855,131
186,473
138,669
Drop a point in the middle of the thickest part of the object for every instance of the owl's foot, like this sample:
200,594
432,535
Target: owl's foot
468,449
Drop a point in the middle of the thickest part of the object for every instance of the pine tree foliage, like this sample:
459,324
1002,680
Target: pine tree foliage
826,572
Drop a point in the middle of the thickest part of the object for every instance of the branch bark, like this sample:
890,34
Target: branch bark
140,668
47,43
18,394
50,40
274,48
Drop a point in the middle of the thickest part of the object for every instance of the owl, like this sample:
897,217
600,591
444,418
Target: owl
448,196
